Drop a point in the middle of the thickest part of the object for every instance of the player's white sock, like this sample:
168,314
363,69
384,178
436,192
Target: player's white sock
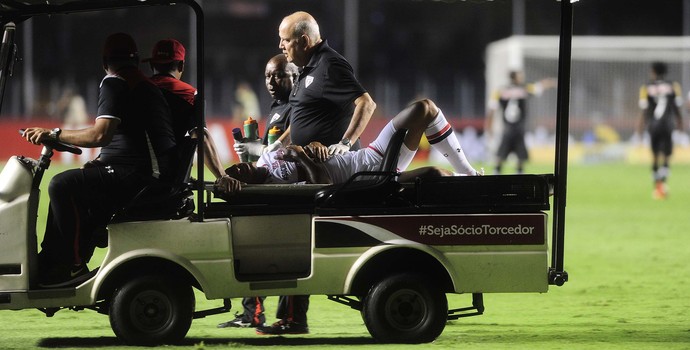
663,173
441,137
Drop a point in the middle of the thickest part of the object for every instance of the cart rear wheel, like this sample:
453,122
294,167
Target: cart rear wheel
405,308
151,310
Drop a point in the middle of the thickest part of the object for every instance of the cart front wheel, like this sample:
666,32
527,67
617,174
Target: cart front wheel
151,310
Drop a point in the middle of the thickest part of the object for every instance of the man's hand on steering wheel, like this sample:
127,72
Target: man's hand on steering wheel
35,135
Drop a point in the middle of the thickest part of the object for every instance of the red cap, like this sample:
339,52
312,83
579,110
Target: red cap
166,51
119,45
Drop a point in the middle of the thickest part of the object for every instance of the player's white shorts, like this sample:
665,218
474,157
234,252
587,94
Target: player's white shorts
341,167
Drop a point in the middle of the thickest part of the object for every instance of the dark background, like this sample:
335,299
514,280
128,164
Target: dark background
405,48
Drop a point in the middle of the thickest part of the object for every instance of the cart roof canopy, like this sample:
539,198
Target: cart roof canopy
19,10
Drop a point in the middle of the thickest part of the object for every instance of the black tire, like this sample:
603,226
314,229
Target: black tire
405,308
152,310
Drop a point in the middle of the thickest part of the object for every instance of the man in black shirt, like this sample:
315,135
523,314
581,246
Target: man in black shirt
280,76
511,101
329,105
133,128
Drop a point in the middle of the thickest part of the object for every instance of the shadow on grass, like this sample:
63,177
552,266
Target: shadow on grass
98,342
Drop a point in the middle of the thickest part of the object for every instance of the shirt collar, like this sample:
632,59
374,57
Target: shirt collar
319,48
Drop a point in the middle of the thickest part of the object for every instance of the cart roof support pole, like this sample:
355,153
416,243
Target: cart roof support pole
200,110
557,275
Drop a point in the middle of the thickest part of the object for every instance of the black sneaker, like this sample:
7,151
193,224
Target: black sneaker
283,327
65,277
239,322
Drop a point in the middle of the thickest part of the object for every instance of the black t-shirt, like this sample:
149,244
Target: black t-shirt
278,116
657,97
181,98
323,98
144,138
513,102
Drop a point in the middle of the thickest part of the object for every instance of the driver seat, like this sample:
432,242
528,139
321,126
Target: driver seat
165,200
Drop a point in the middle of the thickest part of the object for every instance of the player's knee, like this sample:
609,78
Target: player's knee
427,108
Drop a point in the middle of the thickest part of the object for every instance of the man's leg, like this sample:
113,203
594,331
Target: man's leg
293,308
82,200
663,172
521,153
660,146
69,214
423,117
504,149
423,173
292,314
254,307
61,259
252,316
498,167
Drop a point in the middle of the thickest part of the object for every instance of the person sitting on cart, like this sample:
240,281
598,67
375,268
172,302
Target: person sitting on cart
167,62
311,164
134,130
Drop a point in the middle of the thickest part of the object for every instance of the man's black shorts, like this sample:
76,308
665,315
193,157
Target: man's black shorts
662,140
512,142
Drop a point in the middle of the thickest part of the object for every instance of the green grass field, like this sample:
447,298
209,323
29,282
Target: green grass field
626,255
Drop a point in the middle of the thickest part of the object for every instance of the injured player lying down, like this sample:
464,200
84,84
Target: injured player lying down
309,164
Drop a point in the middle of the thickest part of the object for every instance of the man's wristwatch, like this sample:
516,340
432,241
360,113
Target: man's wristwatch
55,134
345,141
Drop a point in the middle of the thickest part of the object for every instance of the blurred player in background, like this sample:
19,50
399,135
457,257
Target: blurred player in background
660,100
512,102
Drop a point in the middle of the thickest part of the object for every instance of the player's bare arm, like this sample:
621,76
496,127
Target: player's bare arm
226,184
211,159
317,151
314,172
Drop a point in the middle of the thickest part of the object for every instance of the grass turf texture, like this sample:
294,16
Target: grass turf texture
626,255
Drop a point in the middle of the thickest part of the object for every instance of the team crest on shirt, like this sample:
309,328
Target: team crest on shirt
275,117
308,81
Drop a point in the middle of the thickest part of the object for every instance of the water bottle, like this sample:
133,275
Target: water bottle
251,133
273,134
237,135
251,129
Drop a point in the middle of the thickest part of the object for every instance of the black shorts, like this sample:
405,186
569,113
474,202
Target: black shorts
513,142
662,141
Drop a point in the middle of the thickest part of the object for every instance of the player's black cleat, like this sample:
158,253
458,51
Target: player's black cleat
283,327
239,322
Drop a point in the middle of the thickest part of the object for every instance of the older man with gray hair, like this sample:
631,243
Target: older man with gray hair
329,105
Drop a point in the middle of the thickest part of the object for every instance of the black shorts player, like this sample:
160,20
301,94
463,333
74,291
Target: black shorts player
659,102
511,100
